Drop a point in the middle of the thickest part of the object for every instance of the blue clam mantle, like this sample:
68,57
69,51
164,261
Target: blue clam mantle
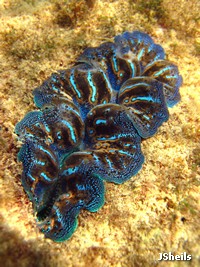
89,125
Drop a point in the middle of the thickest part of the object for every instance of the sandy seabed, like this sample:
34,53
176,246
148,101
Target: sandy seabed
156,211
